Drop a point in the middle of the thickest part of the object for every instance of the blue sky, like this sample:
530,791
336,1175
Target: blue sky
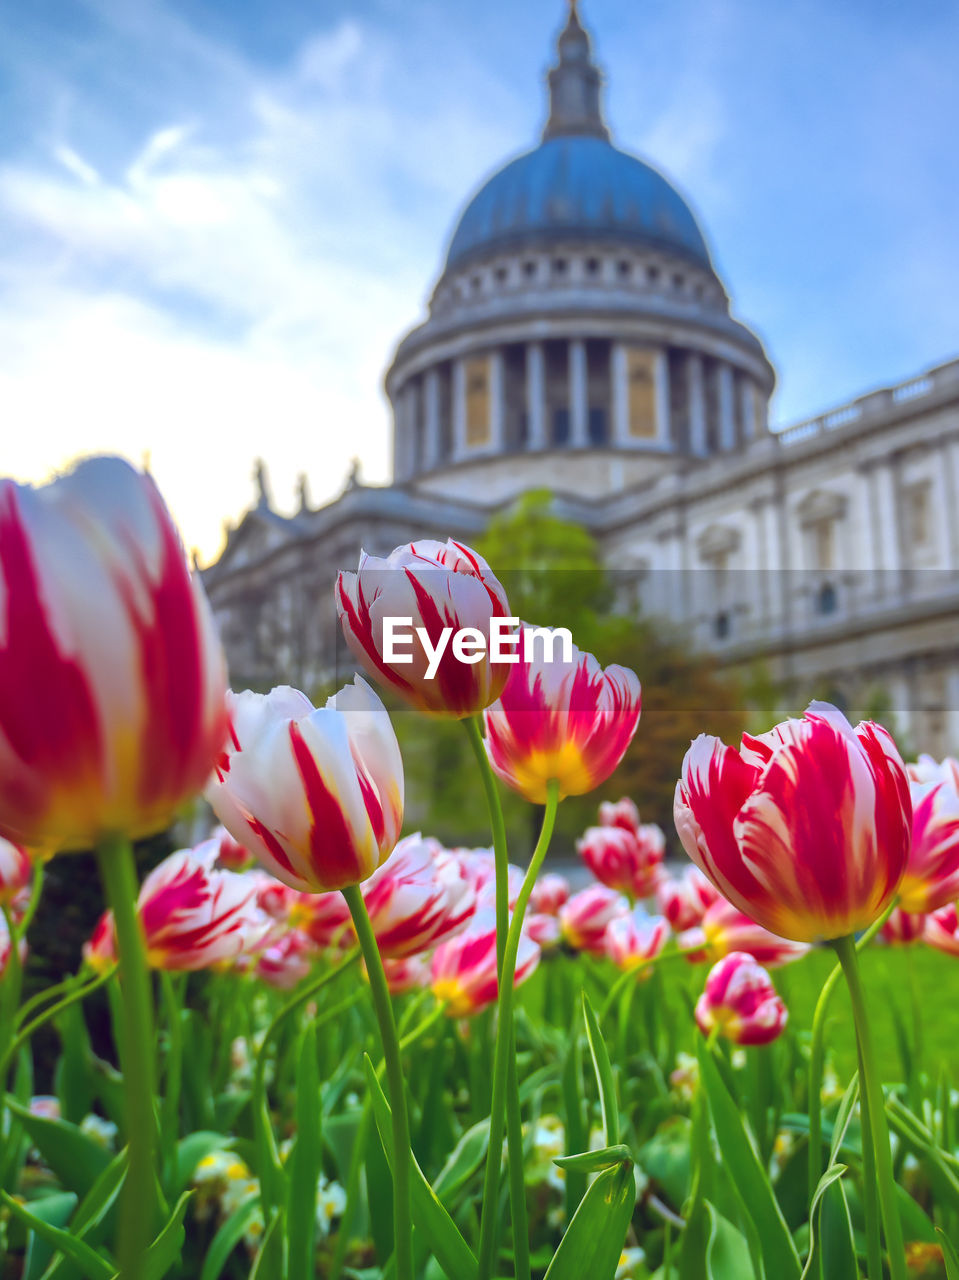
218,216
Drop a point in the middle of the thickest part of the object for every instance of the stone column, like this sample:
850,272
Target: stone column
777,569
619,375
951,470
431,398
459,410
496,406
747,406
697,404
727,418
864,541
578,405
535,396
886,525
940,498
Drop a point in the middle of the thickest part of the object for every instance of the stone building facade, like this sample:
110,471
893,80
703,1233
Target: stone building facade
579,339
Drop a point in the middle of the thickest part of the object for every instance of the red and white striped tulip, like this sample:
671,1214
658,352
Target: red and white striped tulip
478,866
112,679
583,920
932,873
633,940
942,929
16,877
544,929
806,828
740,1000
549,893
231,855
100,950
435,586
631,862
193,916
412,973
568,722
287,960
463,969
724,929
315,793
684,899
904,927
417,897
619,813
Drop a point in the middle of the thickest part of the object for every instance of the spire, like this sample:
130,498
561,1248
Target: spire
574,85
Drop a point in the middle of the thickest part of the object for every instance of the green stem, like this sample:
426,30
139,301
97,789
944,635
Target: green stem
871,1088
517,1173
36,889
870,1195
78,993
138,1211
504,1040
402,1154
48,993
816,1054
170,1109
498,828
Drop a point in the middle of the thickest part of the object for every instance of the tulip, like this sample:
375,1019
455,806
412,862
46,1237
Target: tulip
942,929
904,927
100,951
740,1001
417,897
565,722
232,856
431,586
584,918
805,829
286,961
621,813
633,940
932,873
724,930
112,680
5,947
479,869
684,899
544,929
316,795
464,974
630,862
549,893
16,877
412,973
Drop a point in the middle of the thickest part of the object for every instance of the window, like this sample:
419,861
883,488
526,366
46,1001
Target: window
826,599
624,269
501,274
918,523
652,274
722,626
679,280
598,433
476,283
592,266
560,426
529,269
560,266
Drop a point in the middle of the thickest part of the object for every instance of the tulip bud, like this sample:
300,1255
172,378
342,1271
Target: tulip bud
287,961
621,813
740,1000
568,722
932,873
684,899
464,973
805,829
584,918
633,940
431,587
112,680
549,893
629,861
316,795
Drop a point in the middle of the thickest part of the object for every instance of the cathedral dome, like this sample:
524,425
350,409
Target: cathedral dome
576,186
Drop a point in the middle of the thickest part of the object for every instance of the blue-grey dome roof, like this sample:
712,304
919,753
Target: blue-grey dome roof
578,186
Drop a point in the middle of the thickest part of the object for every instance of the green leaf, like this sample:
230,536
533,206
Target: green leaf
592,1161
227,1238
832,1174
604,1074
843,1117
449,1248
937,1164
593,1242
574,1119
165,1250
463,1161
305,1163
949,1254
55,1210
91,1263
94,1209
748,1176
194,1148
712,1248
75,1158
838,1238
269,1259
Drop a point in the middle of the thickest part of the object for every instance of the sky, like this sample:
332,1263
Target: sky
217,217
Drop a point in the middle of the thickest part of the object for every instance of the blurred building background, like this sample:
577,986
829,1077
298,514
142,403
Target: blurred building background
580,340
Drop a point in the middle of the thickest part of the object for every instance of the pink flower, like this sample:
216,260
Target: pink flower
932,873
100,952
549,893
463,969
620,813
112,680
417,897
433,586
412,973
942,929
544,930
635,939
287,960
740,999
479,868
806,828
724,930
316,795
684,899
568,722
904,927
584,918
16,877
232,856
630,862
193,916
